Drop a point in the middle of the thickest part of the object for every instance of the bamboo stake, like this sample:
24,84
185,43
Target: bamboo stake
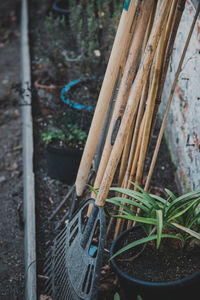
148,119
149,111
136,147
171,31
137,140
129,176
132,103
116,57
170,23
140,110
126,154
149,27
161,54
170,100
130,39
122,97
136,131
141,105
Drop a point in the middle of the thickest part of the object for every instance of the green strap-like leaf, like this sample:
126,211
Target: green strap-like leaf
119,200
188,196
143,241
172,196
180,211
196,219
152,201
189,231
159,217
116,296
162,200
93,189
137,219
134,194
124,207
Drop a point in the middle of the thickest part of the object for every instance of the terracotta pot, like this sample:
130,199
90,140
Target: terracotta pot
184,289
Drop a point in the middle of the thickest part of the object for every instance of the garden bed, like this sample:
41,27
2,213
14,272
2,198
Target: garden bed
51,71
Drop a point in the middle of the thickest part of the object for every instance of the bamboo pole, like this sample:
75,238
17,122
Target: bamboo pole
140,111
169,101
126,154
126,82
171,31
148,115
116,57
129,176
123,182
149,111
132,103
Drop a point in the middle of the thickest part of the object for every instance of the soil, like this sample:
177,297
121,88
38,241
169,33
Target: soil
170,263
11,183
50,193
47,84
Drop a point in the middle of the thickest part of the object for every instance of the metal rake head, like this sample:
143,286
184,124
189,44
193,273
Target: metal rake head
74,261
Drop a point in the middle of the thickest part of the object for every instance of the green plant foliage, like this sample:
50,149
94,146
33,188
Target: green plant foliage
52,133
116,296
82,38
71,136
75,135
52,47
93,26
174,217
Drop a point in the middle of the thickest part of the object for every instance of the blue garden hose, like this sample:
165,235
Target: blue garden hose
59,9
70,102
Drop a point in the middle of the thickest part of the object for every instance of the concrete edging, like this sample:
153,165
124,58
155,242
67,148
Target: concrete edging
28,175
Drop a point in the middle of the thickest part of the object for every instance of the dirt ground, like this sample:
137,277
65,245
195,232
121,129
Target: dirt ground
49,192
11,195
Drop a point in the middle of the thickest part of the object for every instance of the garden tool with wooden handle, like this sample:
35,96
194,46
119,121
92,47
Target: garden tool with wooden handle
82,252
124,89
116,57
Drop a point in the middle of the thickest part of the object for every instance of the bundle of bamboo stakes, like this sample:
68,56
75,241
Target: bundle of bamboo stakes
142,77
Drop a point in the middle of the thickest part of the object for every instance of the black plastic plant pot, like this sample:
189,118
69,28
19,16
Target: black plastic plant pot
63,164
183,289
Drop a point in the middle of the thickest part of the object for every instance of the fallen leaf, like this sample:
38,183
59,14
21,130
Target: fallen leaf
45,297
51,200
13,167
2,179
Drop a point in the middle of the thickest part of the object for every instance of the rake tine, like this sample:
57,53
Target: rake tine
54,258
63,290
62,220
61,204
55,264
60,272
48,289
47,262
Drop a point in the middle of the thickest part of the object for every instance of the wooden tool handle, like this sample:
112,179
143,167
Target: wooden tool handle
125,86
113,67
132,103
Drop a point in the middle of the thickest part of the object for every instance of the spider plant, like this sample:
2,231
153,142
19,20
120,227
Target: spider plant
173,217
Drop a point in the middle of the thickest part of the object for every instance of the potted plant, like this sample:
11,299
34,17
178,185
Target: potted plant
159,258
63,151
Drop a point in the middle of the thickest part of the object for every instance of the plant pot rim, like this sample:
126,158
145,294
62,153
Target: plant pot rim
63,149
142,282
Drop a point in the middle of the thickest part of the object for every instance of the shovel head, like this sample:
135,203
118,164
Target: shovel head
76,256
